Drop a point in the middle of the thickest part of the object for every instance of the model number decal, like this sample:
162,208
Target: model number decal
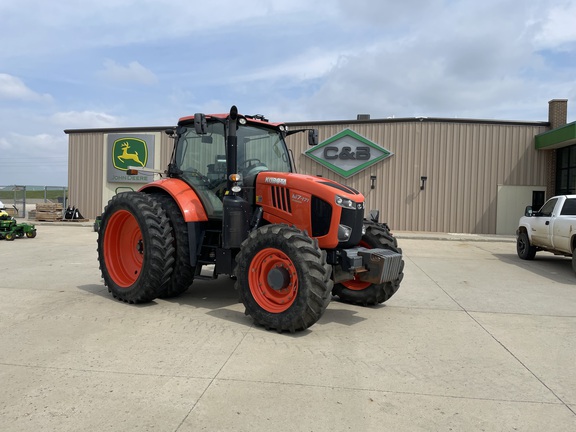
300,198
275,180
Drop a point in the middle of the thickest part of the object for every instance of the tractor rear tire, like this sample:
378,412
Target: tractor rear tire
183,273
283,278
365,293
9,236
135,247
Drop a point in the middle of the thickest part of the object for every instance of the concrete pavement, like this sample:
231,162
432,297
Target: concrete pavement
474,340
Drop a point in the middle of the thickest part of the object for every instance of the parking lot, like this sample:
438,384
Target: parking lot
474,340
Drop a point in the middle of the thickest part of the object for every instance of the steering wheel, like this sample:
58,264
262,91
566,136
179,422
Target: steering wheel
250,165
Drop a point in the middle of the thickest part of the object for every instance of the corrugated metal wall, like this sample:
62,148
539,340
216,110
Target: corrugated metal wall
166,146
86,167
86,172
464,163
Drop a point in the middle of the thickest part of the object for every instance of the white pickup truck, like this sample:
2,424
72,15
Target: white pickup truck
552,229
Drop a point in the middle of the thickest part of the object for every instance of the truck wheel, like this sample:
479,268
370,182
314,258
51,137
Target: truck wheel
183,273
523,247
135,247
356,291
283,278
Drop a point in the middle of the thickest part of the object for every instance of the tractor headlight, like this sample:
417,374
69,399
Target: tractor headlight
344,233
345,202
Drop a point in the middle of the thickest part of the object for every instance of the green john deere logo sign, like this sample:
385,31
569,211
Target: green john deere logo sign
347,153
128,152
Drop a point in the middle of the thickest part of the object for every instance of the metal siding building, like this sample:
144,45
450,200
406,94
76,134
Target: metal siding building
465,162
89,189
480,173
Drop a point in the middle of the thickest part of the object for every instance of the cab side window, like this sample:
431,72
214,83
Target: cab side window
548,208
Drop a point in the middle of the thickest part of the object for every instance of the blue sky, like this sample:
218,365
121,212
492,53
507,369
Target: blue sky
110,63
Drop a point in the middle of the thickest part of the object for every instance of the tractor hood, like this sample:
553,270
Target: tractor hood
321,207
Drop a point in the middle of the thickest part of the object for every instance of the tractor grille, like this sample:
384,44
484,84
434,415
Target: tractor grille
355,220
321,217
281,198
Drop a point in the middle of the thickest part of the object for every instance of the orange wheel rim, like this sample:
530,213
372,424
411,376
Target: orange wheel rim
274,297
356,284
123,248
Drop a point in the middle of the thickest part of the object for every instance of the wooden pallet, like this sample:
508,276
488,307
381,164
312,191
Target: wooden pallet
48,216
49,207
59,219
49,212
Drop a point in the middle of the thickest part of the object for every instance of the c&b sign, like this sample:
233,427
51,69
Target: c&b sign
347,153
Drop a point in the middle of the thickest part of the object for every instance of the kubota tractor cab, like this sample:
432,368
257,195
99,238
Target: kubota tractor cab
231,200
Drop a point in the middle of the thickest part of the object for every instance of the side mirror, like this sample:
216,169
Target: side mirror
528,211
200,125
313,137
170,132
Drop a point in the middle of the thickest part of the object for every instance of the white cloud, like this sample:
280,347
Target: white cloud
68,24
558,28
33,145
291,61
40,159
13,88
134,72
85,119
311,64
4,144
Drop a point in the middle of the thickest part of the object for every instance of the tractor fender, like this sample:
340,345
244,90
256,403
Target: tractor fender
188,201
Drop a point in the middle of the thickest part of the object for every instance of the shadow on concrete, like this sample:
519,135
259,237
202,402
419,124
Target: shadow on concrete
218,295
547,265
99,290
102,291
210,294
338,315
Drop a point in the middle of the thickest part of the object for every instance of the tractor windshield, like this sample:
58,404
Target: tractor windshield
202,159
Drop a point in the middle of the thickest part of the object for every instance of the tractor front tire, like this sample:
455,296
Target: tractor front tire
183,273
282,278
135,247
358,292
9,236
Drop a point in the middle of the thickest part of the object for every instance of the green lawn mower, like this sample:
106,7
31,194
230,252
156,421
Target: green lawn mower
10,229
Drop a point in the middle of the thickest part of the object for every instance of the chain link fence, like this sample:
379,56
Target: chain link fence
20,201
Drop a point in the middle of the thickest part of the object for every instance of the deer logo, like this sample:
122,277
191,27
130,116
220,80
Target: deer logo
129,152
129,156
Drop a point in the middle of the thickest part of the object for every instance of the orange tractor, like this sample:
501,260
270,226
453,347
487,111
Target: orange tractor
230,200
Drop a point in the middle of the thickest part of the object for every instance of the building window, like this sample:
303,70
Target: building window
566,171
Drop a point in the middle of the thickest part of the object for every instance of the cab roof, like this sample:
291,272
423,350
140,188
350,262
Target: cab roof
250,118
